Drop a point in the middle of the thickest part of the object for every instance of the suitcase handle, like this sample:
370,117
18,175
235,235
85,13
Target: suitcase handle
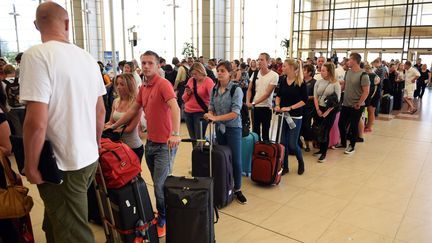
279,119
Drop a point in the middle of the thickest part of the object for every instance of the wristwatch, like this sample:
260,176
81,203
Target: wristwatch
113,127
177,134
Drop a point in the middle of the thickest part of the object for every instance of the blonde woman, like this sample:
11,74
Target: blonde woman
125,86
325,115
291,98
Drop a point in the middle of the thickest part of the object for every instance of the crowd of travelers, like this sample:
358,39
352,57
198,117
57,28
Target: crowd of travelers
326,104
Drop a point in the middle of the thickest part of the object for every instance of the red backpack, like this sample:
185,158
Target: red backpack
118,162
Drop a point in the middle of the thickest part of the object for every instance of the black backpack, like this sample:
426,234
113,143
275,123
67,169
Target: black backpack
12,93
244,112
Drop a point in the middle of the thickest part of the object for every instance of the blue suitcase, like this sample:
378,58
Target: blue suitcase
248,143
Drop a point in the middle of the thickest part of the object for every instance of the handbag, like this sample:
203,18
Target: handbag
14,201
318,133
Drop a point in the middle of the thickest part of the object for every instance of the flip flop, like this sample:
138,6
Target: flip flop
414,111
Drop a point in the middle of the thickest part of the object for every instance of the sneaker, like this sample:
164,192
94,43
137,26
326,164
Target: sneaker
340,146
285,171
360,140
161,231
240,197
349,150
316,154
322,158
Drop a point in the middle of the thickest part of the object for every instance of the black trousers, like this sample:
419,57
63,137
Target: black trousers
261,122
327,124
420,88
349,117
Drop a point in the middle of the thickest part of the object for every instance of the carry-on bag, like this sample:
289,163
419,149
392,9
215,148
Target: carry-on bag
189,209
267,158
118,162
126,212
221,168
386,104
248,144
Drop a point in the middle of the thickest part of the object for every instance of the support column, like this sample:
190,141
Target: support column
87,26
219,29
78,23
205,30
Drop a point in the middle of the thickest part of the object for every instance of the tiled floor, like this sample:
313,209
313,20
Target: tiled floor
381,193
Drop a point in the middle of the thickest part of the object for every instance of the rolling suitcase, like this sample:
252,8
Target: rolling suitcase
126,212
189,209
221,168
133,212
398,99
267,159
386,104
248,144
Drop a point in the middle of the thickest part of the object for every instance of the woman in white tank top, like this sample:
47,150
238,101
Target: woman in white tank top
126,88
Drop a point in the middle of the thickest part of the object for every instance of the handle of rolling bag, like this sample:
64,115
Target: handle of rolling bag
279,120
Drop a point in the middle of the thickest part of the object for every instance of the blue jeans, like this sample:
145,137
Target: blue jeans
290,139
233,139
193,125
160,166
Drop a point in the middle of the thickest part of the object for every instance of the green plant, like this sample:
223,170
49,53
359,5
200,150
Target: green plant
285,44
188,50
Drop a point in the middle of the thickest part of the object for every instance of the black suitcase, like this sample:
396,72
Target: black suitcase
127,212
398,99
221,169
386,104
189,209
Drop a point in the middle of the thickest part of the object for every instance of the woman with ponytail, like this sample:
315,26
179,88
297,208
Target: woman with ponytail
290,99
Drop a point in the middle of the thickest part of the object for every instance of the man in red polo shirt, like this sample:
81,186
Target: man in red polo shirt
156,96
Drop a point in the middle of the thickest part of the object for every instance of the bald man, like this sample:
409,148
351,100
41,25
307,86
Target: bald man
64,106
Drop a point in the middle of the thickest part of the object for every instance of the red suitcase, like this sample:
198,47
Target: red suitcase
267,158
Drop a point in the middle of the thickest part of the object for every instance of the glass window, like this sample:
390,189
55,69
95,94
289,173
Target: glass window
387,16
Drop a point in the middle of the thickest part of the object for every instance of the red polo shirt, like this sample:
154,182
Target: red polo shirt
153,97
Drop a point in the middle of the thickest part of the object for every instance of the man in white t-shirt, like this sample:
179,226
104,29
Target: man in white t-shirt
65,107
411,75
261,94
320,62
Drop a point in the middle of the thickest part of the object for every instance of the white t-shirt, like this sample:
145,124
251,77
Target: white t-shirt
68,79
410,74
262,82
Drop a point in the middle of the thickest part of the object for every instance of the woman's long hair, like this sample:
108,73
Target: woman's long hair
331,71
298,69
130,84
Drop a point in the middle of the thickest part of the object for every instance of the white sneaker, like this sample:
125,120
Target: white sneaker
349,150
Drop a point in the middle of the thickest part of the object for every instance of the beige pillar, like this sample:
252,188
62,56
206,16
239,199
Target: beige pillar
205,30
78,23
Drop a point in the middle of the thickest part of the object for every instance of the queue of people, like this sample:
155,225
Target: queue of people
310,96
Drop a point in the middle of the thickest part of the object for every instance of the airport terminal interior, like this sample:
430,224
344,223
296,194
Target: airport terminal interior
380,193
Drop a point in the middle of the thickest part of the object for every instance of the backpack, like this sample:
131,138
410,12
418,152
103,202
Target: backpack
244,80
255,77
118,162
12,93
244,112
